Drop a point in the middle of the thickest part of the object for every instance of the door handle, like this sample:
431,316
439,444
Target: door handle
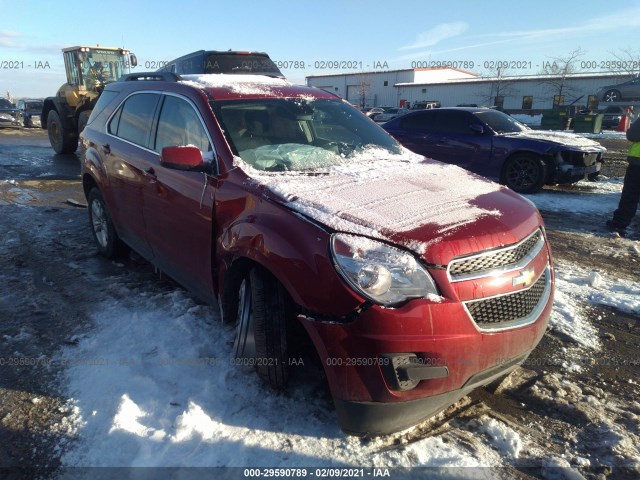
150,173
106,149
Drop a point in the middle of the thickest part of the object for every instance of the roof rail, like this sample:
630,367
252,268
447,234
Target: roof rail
154,76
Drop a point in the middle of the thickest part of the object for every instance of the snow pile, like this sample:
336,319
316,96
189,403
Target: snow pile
595,198
503,438
598,288
566,316
575,286
557,468
618,293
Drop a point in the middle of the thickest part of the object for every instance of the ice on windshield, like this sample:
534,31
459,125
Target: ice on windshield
299,133
290,156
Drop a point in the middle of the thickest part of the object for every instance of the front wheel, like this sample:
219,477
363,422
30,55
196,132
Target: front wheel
104,234
62,140
524,173
261,327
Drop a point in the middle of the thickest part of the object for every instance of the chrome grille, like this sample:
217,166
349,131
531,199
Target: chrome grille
508,258
513,309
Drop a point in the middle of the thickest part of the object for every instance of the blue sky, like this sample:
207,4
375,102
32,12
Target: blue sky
365,33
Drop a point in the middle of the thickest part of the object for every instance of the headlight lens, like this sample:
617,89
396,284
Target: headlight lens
380,272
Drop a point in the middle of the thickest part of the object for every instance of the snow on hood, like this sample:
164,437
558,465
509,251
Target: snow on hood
561,138
379,194
242,84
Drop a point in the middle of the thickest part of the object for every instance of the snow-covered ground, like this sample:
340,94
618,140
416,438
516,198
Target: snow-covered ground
152,385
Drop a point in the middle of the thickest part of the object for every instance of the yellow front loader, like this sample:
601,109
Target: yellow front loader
88,70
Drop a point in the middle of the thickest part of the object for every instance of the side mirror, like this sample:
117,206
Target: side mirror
133,60
474,127
183,158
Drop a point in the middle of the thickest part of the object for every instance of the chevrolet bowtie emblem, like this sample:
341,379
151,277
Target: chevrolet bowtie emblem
525,278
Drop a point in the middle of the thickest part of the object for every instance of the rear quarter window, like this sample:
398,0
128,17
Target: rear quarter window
105,99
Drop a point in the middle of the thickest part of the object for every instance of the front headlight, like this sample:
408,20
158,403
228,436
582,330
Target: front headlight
380,272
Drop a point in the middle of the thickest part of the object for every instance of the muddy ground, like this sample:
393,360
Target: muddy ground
45,304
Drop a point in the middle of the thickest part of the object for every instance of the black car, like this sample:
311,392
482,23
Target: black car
495,145
29,112
8,114
612,116
629,90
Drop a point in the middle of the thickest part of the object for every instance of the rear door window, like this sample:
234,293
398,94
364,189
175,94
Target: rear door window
454,122
134,118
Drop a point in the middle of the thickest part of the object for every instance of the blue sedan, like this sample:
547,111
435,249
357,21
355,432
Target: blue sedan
495,145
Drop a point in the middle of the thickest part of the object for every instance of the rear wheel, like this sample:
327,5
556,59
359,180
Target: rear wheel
62,140
261,327
612,96
83,119
104,234
524,173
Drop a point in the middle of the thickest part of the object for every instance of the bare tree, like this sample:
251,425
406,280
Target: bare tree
500,86
364,85
627,62
558,71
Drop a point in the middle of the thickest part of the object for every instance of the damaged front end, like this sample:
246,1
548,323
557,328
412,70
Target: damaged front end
574,165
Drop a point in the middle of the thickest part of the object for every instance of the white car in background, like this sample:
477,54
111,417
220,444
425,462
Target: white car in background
390,114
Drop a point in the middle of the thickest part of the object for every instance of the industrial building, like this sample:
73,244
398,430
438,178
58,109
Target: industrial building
451,87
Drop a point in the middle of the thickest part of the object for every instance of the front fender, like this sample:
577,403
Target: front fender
65,114
293,249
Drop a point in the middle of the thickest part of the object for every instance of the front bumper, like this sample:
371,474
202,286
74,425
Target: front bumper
377,418
9,124
33,121
355,356
572,166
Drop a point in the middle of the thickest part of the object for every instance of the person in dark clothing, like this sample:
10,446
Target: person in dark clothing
630,197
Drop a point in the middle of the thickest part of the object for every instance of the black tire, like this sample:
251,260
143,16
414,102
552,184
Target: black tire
612,96
261,327
524,173
593,177
83,119
104,234
62,141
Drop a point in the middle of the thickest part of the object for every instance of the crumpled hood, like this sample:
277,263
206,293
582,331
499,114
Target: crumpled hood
434,209
560,138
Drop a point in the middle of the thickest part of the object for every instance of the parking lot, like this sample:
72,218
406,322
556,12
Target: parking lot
89,344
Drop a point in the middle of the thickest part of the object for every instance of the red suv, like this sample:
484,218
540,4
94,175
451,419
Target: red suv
415,280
